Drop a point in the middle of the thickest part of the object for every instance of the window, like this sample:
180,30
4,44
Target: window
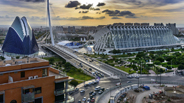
13,101
22,74
44,72
1,98
38,90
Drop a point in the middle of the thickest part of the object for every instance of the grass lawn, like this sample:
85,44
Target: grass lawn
79,76
126,69
55,58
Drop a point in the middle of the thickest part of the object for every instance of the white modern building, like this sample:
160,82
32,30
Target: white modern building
125,38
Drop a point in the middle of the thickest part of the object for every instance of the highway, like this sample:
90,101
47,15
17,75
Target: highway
75,61
78,58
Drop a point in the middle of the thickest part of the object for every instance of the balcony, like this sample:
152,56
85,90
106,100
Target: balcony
59,92
28,97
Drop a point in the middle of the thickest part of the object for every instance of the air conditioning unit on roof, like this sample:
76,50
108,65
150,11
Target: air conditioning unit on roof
36,76
31,77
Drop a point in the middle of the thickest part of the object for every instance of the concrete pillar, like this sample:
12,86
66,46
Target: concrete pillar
66,94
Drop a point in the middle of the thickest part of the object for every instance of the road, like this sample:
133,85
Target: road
110,82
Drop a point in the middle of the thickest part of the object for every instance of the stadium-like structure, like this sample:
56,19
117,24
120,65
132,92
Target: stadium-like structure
20,38
131,38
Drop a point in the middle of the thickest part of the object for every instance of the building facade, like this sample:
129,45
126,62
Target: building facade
32,80
132,37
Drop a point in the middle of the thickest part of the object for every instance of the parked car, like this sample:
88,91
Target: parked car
118,84
89,83
128,81
84,99
103,89
94,93
92,100
97,88
100,92
90,69
85,85
79,101
90,92
82,91
76,89
88,100
91,97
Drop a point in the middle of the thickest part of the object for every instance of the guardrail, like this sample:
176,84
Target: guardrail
126,85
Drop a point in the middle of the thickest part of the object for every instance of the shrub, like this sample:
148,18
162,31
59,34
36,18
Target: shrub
180,66
160,59
74,83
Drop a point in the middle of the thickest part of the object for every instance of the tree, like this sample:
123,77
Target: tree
172,49
51,60
180,66
160,59
2,58
17,57
157,62
74,83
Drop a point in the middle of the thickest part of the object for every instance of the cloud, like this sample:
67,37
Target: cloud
85,6
83,11
115,17
72,4
127,14
96,8
78,18
100,4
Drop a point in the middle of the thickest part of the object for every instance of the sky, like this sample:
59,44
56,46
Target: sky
93,12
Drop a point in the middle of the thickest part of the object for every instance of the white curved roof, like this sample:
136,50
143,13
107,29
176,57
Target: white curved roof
64,42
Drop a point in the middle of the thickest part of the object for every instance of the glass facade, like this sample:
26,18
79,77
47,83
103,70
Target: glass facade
122,37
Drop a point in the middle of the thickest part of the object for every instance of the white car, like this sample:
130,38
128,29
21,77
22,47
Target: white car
88,100
98,88
82,91
84,99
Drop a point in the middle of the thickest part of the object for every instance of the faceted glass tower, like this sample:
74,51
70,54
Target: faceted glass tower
20,38
126,37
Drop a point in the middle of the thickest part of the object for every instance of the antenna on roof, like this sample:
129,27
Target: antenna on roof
51,34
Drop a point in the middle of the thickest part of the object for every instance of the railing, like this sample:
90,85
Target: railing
28,97
59,92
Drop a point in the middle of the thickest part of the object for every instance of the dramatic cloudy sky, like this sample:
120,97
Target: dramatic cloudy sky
93,12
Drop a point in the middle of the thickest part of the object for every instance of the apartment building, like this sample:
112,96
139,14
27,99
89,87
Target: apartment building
33,80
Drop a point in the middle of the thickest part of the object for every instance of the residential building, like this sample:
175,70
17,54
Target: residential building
173,28
33,80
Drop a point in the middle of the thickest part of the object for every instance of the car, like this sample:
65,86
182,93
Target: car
103,89
91,97
89,83
84,99
90,69
85,85
94,93
92,100
118,84
128,81
92,82
100,92
107,89
88,100
90,92
97,88
79,101
82,91
76,89
137,77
